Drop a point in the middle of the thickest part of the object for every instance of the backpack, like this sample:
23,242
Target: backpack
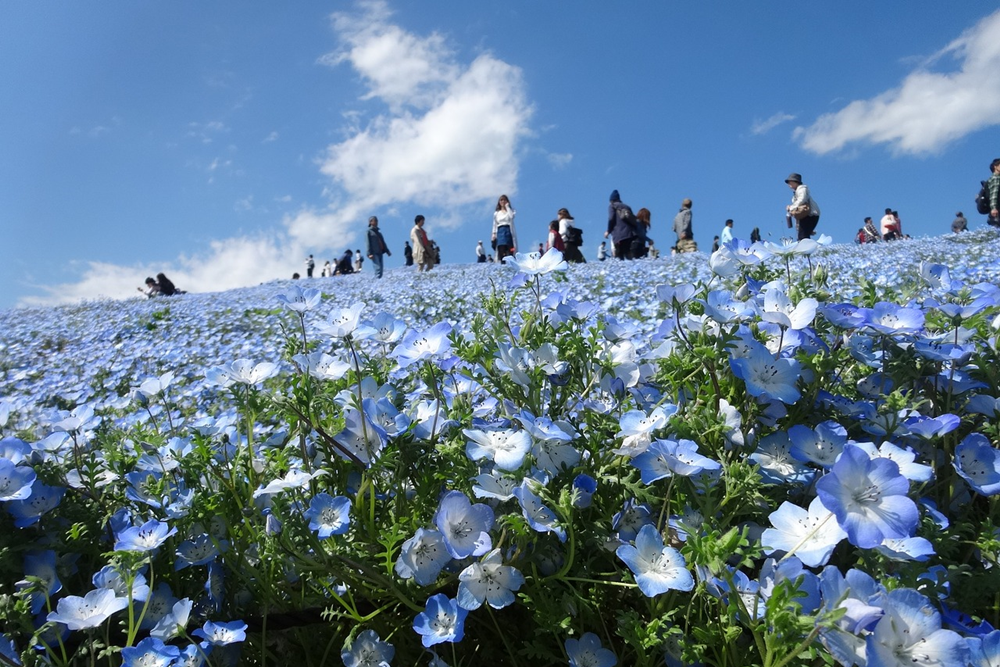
983,199
575,237
625,215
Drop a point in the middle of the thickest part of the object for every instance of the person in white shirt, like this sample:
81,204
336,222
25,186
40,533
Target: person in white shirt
806,225
480,253
727,233
504,233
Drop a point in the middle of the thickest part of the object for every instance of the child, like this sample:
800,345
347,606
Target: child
555,239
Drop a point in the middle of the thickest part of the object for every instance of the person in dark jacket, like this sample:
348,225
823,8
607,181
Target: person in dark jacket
345,264
376,246
621,226
167,288
408,253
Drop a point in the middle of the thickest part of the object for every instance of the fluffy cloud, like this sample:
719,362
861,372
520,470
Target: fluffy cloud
446,135
928,110
765,126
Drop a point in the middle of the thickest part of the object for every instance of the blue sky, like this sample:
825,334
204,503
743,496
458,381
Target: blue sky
221,142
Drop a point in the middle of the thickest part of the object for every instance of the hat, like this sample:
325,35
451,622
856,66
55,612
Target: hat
686,203
794,178
372,219
615,196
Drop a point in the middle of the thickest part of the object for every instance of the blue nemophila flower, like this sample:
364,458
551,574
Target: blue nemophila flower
775,462
174,621
42,566
150,652
322,366
505,447
632,517
938,276
979,464
910,635
767,377
891,319
657,568
779,309
672,457
384,328
821,445
147,537
367,650
89,611
198,550
242,371
723,308
423,556
192,655
802,581
420,345
584,487
985,651
539,517
464,526
362,438
810,534
328,515
341,322
299,300
495,484
15,480
904,458
535,264
42,499
844,315
587,651
906,549
868,497
636,429
859,595
442,621
932,427
293,479
7,648
490,581
221,634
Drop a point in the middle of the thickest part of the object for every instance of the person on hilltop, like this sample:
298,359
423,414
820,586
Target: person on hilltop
555,238
326,271
480,253
167,287
504,235
310,265
358,260
682,228
151,289
423,253
803,208
407,253
376,246
993,186
621,226
715,243
959,224
887,226
641,240
727,233
345,264
871,232
602,252
572,237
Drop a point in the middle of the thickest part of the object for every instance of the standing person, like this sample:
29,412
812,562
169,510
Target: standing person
310,265
376,246
358,260
871,232
727,233
541,249
408,254
326,272
641,239
480,253
504,234
555,238
715,244
993,186
959,224
887,226
572,237
423,253
602,253
621,226
682,228
803,208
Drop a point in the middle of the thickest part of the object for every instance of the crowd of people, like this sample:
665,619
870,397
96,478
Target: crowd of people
627,234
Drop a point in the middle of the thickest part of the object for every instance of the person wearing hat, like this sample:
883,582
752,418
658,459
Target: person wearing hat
682,227
376,246
803,208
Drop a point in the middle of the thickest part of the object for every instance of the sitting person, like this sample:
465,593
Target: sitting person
166,286
151,289
344,264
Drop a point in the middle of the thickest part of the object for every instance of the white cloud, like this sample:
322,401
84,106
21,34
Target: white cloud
768,124
271,137
447,136
928,110
559,160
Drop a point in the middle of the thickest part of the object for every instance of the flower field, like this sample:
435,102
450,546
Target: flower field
782,454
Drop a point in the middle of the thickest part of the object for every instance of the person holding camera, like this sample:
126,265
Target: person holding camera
803,208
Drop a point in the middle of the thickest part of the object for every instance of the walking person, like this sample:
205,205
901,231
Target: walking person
504,234
993,186
310,265
621,226
682,228
408,253
376,246
803,208
602,252
358,260
480,253
572,237
423,253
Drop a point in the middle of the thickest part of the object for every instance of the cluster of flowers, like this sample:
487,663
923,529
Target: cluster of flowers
783,465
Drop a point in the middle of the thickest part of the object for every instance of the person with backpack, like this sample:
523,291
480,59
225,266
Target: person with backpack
803,208
572,237
621,226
